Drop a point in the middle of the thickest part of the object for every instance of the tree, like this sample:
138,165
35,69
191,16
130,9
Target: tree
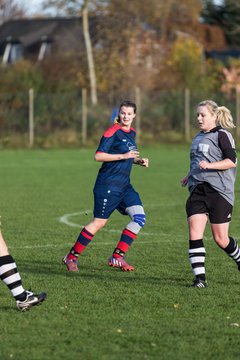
9,9
91,66
76,7
186,59
128,45
69,8
226,16
153,25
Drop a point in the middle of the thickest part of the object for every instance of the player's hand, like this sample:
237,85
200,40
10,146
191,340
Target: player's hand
184,181
144,162
132,154
203,165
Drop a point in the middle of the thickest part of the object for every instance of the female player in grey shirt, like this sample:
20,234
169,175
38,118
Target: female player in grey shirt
211,184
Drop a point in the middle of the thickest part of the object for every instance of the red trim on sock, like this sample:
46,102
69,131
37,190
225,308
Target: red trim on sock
123,246
78,247
87,235
129,233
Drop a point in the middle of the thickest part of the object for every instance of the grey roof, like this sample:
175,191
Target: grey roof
61,31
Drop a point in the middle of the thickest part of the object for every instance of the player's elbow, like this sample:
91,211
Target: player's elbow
233,164
97,157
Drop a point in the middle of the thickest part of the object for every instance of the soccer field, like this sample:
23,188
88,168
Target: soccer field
102,313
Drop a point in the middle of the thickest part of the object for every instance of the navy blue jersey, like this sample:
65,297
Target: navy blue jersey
116,174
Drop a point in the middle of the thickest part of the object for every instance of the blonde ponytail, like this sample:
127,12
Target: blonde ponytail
224,117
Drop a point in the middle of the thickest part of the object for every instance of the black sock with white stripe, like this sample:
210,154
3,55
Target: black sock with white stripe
11,277
197,258
233,250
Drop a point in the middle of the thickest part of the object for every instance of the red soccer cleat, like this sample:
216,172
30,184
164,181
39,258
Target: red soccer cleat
120,263
71,264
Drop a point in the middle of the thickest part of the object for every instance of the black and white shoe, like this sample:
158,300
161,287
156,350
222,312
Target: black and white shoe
198,283
31,300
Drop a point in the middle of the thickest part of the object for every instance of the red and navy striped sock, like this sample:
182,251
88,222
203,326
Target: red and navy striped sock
126,240
84,238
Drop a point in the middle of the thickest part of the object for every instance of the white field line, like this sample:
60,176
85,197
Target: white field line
98,243
63,246
65,219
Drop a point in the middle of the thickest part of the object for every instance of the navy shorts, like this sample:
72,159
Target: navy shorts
107,200
206,200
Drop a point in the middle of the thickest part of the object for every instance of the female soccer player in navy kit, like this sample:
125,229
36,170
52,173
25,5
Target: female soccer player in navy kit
112,191
211,184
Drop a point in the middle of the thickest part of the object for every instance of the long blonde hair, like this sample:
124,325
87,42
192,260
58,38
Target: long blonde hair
224,116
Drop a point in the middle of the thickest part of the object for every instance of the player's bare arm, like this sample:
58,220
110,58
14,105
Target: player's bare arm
101,156
217,165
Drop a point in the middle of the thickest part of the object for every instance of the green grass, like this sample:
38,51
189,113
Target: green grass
102,313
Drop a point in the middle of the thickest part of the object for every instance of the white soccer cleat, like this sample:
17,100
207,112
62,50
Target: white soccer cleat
31,300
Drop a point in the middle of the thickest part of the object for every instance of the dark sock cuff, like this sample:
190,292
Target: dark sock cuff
194,244
21,297
118,251
6,259
231,246
74,252
201,277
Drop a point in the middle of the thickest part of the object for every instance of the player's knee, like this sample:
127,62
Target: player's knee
96,225
222,241
140,219
137,224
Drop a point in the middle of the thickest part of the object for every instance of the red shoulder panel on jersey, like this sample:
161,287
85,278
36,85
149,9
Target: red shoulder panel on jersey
111,131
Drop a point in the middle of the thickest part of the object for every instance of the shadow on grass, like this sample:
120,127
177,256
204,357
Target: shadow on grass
101,273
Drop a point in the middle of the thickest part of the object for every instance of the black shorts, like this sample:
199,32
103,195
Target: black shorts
206,200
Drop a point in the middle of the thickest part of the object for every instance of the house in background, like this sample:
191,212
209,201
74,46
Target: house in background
215,45
37,38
